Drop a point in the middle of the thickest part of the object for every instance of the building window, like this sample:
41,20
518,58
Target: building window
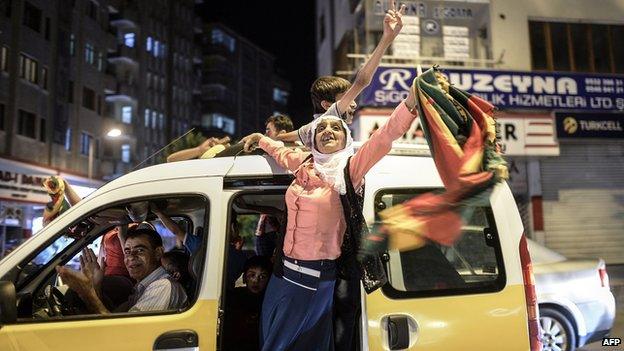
70,91
125,153
100,62
89,54
68,137
156,48
32,17
2,113
88,98
220,37
4,59
280,96
28,69
220,121
92,10
126,114
99,105
42,130
85,143
72,44
129,40
26,124
46,30
147,117
154,119
161,121
577,47
44,78
148,44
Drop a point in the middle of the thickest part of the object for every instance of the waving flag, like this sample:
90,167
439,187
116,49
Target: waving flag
461,132
55,186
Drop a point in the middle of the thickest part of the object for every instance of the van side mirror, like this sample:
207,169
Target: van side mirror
8,303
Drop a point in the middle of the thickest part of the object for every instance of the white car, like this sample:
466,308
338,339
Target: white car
576,305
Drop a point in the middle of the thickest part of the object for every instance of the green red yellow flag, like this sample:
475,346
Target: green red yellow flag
460,129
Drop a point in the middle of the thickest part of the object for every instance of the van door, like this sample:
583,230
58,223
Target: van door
463,297
192,327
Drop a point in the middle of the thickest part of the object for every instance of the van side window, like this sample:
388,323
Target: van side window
147,254
473,264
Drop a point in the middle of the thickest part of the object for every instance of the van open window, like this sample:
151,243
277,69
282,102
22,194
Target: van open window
473,264
170,255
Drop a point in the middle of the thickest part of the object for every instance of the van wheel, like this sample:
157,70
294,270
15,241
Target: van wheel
556,331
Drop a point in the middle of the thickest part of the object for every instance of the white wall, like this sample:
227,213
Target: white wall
512,33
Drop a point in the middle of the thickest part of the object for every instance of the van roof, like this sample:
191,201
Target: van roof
248,166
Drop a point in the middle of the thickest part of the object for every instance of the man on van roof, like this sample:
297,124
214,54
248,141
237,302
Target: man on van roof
155,289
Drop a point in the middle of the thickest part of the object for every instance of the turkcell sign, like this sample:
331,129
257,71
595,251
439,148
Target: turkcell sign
509,89
589,125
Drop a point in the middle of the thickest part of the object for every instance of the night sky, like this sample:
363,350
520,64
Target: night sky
284,29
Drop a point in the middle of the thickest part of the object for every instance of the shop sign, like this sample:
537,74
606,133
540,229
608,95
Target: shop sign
509,89
527,135
366,124
572,125
23,187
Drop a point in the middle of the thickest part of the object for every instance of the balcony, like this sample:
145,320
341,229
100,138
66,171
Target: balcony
127,17
123,54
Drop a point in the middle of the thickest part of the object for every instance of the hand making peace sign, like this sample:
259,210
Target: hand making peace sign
393,23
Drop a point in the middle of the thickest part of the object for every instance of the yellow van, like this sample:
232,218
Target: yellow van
476,295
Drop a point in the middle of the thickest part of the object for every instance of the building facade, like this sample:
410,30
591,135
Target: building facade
555,70
239,85
73,70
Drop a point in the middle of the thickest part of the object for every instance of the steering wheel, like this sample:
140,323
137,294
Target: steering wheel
56,301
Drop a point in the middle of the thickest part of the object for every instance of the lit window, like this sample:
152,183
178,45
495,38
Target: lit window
68,141
154,118
224,123
280,96
156,48
125,153
29,69
148,44
219,37
100,62
161,121
147,117
126,114
129,39
89,53
85,142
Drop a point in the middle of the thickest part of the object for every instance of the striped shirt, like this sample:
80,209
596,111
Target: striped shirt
157,292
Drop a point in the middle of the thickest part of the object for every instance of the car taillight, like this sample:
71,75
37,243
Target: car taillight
530,295
604,277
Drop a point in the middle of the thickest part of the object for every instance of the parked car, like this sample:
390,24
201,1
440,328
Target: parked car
575,302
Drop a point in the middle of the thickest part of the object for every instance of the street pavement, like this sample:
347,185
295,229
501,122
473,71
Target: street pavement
616,279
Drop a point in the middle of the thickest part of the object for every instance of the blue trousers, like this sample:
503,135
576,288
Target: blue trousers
297,307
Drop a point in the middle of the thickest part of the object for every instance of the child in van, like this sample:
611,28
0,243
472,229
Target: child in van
242,307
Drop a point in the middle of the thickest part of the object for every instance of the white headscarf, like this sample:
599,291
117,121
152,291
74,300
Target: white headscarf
330,167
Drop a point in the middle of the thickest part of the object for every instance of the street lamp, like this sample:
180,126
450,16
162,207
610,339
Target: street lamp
113,133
